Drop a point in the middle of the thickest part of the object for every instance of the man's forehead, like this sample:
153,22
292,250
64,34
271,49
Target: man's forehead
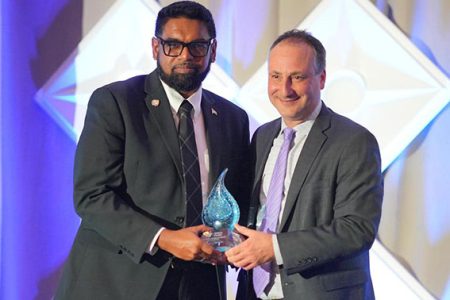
292,46
291,56
183,26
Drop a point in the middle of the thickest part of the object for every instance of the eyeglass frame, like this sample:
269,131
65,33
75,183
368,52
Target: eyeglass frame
185,45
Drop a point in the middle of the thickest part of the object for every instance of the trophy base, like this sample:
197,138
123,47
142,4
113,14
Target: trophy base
223,239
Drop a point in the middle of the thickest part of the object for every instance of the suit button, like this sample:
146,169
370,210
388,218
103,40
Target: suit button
179,220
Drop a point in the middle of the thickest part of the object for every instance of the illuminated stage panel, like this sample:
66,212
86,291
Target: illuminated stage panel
391,280
118,47
375,75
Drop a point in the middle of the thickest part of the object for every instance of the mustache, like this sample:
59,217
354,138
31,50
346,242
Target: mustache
186,64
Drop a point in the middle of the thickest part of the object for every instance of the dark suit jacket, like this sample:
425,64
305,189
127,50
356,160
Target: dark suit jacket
332,210
128,183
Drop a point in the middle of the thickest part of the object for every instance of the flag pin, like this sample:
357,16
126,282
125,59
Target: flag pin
155,102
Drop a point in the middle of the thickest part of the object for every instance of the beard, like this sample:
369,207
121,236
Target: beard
183,83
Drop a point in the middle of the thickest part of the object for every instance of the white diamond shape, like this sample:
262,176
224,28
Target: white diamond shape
118,47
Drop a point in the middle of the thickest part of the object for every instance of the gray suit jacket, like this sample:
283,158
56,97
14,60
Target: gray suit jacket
128,182
332,210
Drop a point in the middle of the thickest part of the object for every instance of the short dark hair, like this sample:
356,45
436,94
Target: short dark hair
303,36
185,9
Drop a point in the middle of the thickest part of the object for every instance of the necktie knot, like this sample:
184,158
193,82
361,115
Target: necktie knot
289,135
185,108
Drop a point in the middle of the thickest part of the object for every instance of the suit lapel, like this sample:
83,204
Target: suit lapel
314,142
266,145
161,117
213,120
262,141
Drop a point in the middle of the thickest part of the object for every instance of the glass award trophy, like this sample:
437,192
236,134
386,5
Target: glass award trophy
221,213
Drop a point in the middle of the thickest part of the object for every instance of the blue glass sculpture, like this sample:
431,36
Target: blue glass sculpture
221,212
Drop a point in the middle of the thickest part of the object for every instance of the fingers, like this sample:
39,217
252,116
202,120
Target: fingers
185,243
254,251
240,257
206,248
236,255
243,230
198,229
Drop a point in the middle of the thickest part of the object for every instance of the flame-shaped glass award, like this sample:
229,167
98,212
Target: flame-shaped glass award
221,212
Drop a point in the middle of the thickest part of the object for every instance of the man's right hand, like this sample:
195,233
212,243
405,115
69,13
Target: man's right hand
186,244
254,251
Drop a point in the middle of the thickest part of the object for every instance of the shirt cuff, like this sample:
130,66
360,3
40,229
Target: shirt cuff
276,250
153,248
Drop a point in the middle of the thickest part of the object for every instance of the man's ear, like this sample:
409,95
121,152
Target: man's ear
155,48
213,51
323,77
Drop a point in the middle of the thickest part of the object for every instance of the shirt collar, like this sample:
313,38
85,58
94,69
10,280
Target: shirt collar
175,99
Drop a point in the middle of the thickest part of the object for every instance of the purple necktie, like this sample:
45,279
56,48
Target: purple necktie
261,274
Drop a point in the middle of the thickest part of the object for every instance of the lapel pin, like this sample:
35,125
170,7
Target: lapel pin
155,102
213,111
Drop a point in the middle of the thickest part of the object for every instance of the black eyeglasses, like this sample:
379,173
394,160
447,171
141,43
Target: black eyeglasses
175,48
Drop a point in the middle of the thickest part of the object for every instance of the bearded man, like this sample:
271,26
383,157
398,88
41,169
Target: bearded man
151,148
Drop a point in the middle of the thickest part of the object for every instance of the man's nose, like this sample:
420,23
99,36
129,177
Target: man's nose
286,87
185,53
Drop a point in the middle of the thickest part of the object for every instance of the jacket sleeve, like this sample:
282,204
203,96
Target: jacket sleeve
353,193
100,195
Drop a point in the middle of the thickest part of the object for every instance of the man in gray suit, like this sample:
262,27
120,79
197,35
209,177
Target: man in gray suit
331,189
131,184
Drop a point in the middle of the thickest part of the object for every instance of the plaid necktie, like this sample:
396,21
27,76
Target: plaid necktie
191,168
275,194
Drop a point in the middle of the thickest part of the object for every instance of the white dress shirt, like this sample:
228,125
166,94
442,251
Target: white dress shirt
274,289
175,100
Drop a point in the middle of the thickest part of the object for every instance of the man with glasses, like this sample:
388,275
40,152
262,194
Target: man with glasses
151,148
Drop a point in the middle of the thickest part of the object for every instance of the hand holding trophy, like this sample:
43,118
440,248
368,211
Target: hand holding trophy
221,213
